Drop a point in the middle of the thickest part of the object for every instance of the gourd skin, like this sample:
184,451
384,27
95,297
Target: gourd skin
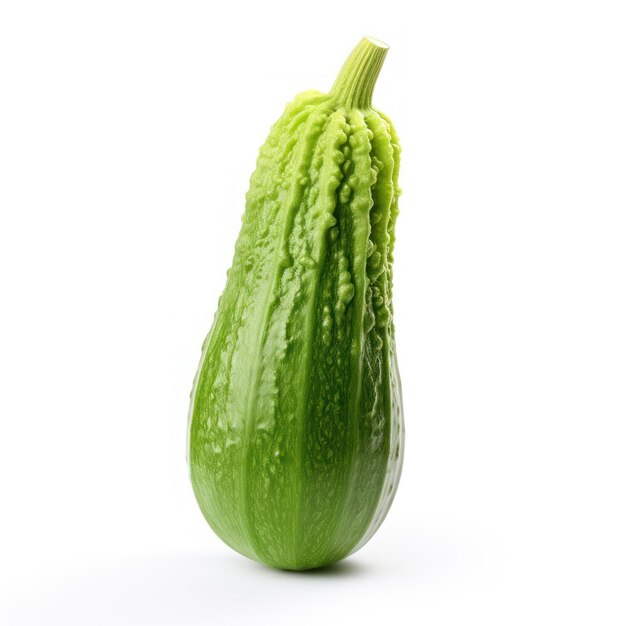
296,432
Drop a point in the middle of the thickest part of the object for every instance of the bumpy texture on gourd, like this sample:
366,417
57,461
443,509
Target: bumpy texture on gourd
295,427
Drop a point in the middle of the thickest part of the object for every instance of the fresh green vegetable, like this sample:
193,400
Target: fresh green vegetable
295,426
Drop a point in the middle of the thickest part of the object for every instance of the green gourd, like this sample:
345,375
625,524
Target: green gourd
296,432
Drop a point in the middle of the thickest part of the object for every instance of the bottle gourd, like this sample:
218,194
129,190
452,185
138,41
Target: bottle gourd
295,429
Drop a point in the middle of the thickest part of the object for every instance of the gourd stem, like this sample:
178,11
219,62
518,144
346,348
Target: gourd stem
356,80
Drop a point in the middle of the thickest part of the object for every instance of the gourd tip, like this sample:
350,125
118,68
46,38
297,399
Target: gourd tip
356,80
377,42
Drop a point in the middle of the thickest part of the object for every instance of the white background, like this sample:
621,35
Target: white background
128,131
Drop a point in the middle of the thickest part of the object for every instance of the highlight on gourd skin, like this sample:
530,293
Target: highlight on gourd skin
295,426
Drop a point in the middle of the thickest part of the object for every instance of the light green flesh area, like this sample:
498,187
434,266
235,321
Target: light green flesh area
295,435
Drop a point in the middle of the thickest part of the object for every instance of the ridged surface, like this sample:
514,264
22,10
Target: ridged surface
295,426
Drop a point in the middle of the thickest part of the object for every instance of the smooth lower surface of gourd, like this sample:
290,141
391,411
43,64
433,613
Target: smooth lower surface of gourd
296,432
